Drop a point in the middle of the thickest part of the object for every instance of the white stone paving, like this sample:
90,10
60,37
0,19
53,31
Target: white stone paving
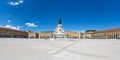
36,49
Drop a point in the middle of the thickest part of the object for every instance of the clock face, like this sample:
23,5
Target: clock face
59,29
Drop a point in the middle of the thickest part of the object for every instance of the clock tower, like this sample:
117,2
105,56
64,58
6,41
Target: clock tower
59,31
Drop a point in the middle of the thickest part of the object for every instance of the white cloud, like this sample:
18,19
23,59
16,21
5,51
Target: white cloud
12,27
21,1
15,3
9,21
30,25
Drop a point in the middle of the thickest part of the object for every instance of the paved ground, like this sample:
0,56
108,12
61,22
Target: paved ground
36,49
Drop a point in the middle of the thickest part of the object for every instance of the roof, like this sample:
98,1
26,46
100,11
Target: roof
12,29
114,29
111,29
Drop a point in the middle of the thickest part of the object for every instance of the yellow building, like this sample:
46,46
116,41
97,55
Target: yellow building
12,33
107,34
102,34
32,34
48,34
72,34
86,35
45,34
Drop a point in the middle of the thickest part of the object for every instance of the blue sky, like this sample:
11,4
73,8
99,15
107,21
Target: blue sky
43,15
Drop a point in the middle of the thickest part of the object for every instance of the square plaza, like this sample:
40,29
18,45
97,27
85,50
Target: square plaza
82,49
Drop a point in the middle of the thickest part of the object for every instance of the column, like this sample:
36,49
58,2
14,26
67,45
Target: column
79,35
39,35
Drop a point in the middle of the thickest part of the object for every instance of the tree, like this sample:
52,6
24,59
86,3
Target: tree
90,30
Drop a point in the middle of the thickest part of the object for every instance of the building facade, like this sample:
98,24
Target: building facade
32,34
73,35
45,34
12,33
107,34
61,33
